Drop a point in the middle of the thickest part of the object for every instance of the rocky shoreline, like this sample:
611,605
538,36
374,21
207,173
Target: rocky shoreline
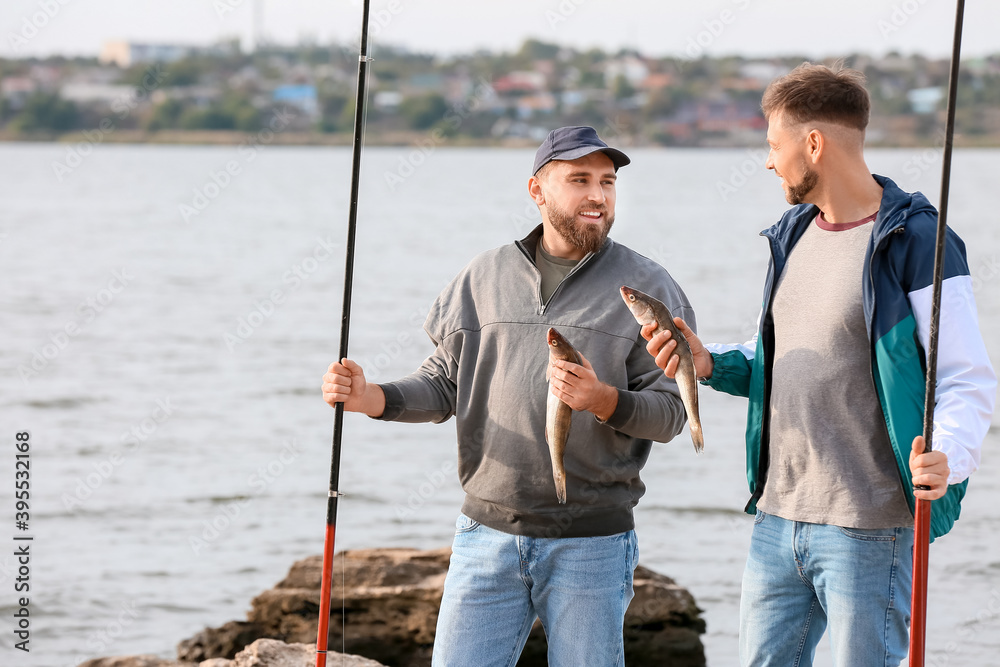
388,615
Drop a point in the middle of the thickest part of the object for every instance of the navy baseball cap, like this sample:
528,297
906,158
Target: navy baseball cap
570,143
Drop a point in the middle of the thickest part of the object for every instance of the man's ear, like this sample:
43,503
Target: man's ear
535,190
815,143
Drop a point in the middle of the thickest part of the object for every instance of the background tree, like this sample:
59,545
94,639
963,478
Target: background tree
46,112
423,111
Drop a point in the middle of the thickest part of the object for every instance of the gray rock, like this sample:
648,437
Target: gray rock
391,604
261,653
136,661
274,653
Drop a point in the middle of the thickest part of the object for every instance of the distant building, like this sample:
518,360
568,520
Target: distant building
720,117
759,73
96,92
520,83
126,54
532,105
388,100
657,81
424,82
633,69
17,89
303,96
925,100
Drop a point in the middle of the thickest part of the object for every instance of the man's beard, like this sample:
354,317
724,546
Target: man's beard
797,194
588,237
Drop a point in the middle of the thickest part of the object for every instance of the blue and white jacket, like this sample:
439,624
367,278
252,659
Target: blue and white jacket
897,283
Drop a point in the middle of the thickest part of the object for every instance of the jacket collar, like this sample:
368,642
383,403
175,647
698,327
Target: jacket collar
895,208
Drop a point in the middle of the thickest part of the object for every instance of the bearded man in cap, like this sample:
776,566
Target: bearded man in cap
518,553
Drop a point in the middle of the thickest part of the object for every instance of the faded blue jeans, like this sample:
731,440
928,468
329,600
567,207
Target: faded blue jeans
801,577
498,583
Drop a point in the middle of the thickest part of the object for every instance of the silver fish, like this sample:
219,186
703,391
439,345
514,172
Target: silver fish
558,415
646,309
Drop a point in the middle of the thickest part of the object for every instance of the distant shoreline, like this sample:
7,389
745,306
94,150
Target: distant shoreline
264,137
425,139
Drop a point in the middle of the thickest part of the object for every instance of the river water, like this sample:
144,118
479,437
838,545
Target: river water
167,313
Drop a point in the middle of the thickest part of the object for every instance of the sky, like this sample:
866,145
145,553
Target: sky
690,28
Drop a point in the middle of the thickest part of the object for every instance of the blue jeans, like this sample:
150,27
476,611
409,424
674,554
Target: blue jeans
801,577
498,583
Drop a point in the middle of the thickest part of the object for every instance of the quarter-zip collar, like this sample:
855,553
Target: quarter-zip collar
529,244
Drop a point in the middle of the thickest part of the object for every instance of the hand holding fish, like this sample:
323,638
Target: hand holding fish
345,383
930,469
662,347
578,386
652,316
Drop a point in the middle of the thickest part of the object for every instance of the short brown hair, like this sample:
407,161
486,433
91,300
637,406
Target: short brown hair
817,93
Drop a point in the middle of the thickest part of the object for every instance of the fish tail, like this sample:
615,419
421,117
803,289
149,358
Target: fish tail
560,480
688,386
697,437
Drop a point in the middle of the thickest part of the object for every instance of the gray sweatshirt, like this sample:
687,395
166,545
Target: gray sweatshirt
488,369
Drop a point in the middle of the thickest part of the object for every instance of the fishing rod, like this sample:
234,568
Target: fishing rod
922,514
345,327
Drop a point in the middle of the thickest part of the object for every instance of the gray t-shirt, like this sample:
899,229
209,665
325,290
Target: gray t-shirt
553,270
830,457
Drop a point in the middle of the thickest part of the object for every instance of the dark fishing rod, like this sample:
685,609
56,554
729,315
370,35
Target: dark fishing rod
922,514
345,327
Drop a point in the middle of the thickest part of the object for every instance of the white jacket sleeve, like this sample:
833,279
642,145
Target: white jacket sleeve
966,383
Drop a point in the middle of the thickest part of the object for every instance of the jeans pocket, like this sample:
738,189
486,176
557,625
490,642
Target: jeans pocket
758,517
870,534
465,525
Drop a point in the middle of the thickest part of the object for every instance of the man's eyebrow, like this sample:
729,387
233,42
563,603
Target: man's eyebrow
576,174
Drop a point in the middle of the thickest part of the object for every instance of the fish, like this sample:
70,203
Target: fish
558,415
646,310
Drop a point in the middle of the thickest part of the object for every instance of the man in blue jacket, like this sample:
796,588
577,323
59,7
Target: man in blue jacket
835,378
